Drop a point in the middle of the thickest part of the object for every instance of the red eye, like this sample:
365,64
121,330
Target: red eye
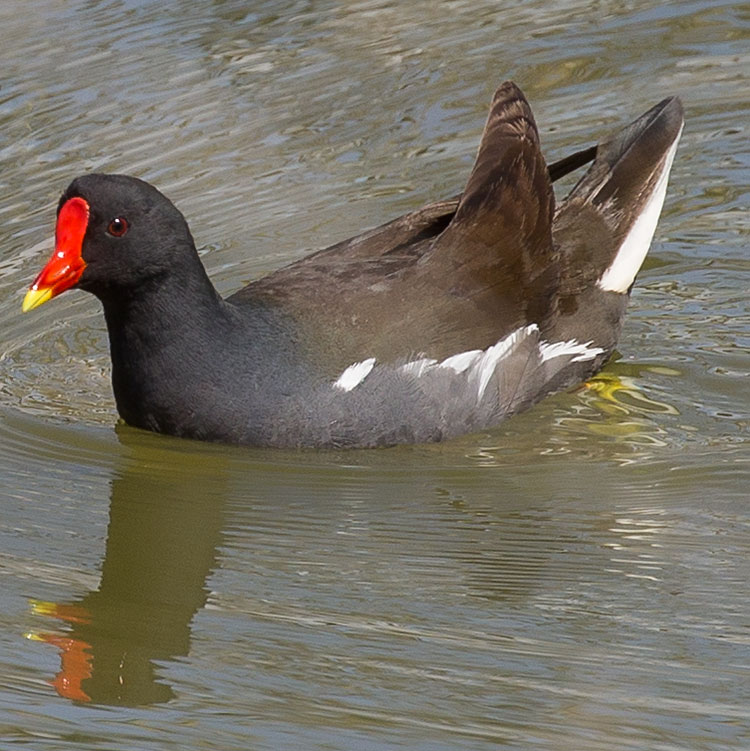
118,227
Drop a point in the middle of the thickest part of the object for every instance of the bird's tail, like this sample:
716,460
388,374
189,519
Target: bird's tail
621,196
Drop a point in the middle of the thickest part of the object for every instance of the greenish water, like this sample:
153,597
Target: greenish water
577,579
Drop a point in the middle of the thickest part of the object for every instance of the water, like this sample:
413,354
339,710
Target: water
577,578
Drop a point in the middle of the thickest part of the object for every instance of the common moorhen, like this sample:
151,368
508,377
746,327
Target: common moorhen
441,322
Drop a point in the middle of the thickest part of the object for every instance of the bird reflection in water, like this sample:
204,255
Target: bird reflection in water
164,529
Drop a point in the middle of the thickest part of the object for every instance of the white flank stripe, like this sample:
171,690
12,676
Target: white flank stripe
487,364
354,374
417,367
478,365
572,348
462,361
621,272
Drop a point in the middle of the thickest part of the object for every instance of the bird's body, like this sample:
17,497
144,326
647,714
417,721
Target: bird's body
442,322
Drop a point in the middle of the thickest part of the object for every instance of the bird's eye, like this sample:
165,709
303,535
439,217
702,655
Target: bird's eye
118,227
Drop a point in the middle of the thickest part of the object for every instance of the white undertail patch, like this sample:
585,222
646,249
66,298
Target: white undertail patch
355,374
622,271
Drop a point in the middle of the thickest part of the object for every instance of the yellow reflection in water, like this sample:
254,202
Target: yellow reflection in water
614,406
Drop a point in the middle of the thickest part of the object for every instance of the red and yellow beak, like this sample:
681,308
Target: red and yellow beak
65,267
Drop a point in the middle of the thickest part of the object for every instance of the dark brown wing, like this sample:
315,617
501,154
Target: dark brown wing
451,277
499,244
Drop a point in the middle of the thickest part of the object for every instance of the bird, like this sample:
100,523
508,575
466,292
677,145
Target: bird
443,322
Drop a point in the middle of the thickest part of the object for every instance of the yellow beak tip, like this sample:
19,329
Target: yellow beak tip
36,297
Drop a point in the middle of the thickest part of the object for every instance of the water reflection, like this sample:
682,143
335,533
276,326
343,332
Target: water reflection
164,529
167,516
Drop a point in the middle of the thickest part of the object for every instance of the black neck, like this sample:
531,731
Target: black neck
169,341
185,362
165,307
